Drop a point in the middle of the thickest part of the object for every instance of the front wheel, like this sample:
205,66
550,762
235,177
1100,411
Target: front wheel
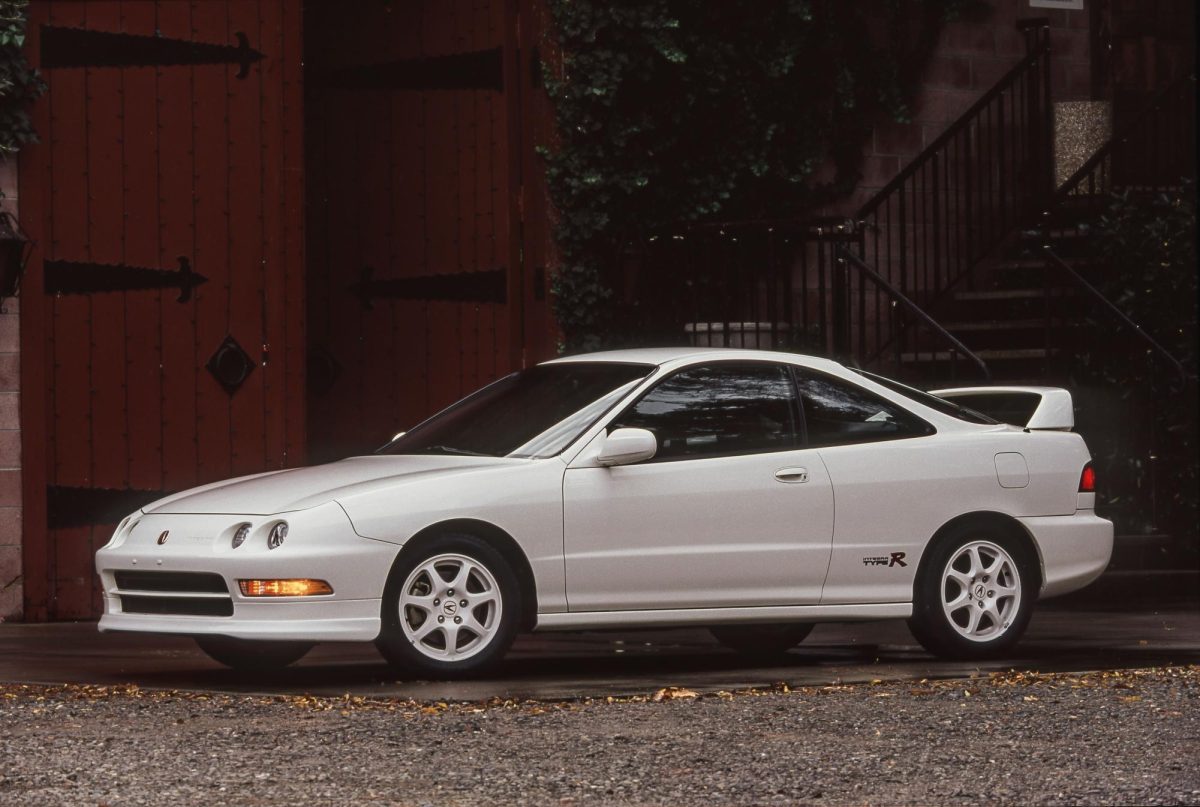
974,596
761,641
450,608
252,656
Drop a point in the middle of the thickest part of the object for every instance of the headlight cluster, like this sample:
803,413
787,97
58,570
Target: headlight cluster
278,532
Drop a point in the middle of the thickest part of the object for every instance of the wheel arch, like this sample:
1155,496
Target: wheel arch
504,543
984,519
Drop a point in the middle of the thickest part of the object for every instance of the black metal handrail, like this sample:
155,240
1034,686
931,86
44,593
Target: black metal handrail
761,284
1037,49
990,171
766,282
1108,305
898,296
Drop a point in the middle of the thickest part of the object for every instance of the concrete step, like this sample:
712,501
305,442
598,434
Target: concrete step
988,355
999,331
991,295
994,325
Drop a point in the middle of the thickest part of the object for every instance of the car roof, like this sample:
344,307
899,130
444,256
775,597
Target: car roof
687,355
671,358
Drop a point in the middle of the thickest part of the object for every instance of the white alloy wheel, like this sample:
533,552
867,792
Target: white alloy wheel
981,591
450,607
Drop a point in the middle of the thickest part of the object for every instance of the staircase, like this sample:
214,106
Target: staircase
1028,311
1013,320
969,267
924,238
1033,314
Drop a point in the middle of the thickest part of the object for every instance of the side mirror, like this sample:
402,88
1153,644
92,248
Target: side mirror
627,446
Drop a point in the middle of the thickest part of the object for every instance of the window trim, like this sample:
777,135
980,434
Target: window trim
797,410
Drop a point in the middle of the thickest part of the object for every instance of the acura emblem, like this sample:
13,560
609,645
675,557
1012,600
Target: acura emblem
162,537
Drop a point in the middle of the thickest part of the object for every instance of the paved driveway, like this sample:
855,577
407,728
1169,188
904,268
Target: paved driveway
1114,627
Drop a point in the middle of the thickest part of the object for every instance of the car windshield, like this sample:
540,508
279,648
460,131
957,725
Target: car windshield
532,413
932,401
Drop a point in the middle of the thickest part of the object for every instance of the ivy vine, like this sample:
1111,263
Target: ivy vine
671,112
1151,239
19,83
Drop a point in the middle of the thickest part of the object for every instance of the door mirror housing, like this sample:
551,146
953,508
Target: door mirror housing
627,446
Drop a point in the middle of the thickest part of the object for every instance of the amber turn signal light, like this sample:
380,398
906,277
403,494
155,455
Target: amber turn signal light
284,588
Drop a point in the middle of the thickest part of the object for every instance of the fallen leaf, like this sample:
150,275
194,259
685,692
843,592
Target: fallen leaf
673,694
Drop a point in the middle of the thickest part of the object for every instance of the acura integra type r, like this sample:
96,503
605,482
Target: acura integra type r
755,493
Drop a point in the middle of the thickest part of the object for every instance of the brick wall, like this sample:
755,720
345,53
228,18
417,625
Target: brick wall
10,430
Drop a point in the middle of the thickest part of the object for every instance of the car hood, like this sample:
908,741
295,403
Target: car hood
301,488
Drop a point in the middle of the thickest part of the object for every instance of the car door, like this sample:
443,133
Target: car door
731,512
893,486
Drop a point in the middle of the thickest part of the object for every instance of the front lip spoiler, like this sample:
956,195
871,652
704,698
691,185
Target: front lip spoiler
303,620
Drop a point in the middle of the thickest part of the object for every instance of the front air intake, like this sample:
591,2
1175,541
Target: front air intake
173,593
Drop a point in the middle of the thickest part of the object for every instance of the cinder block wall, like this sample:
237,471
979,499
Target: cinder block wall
970,57
10,429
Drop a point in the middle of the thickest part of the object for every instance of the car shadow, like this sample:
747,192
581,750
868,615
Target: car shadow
591,672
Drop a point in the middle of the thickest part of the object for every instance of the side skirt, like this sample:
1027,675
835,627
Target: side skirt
724,616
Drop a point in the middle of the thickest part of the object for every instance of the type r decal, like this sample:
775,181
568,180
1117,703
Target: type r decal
895,559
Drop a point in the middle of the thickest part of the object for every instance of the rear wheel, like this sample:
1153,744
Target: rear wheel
243,654
974,595
450,608
761,641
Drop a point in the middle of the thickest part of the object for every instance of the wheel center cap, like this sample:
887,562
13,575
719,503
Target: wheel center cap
450,607
980,591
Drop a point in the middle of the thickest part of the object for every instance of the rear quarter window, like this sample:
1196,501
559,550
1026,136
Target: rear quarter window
838,412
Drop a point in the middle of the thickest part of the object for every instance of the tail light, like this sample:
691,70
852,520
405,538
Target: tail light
1087,480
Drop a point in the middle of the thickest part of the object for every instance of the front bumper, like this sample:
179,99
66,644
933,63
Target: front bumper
321,544
1074,550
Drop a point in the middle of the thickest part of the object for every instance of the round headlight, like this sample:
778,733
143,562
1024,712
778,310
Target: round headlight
239,537
278,533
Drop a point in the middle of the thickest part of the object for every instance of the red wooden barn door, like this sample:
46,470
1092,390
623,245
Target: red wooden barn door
420,286
162,311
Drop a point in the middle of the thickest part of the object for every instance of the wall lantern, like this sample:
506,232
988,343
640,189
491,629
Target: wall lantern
15,247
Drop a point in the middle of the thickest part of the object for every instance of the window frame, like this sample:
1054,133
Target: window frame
795,405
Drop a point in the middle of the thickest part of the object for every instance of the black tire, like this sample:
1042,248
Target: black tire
761,641
930,624
402,651
252,656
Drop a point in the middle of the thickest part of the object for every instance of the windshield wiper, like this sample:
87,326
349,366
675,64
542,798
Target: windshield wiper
452,450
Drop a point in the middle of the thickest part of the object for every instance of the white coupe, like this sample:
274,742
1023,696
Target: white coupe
751,492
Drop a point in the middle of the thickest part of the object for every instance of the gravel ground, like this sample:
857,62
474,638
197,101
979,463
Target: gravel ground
1130,737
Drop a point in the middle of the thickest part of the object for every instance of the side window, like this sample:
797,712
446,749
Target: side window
716,409
837,412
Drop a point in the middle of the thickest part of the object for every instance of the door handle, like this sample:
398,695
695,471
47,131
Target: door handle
792,475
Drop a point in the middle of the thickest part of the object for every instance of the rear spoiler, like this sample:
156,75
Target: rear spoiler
1030,407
